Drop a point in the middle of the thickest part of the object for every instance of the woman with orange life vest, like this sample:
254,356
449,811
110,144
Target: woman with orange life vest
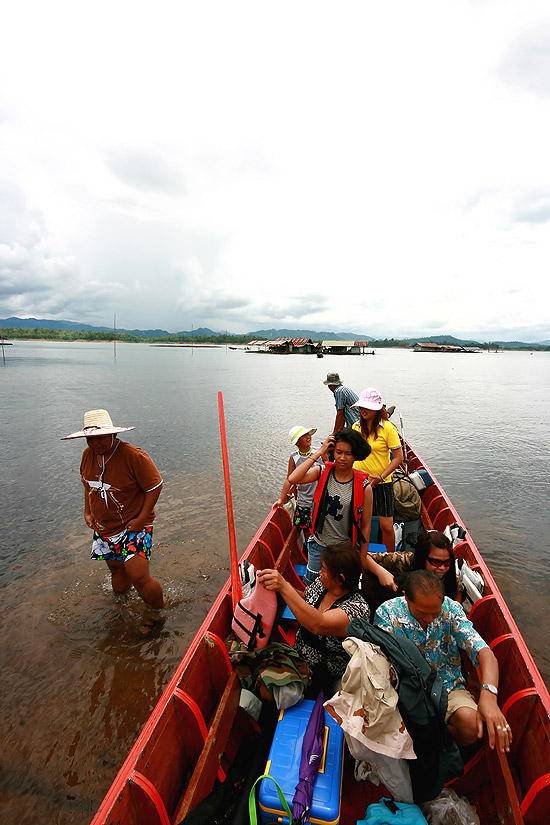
382,438
342,507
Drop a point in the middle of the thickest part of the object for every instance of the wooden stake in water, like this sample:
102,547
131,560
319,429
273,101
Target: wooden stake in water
2,340
114,335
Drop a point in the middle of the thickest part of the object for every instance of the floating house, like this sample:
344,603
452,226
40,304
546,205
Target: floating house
341,347
431,346
285,346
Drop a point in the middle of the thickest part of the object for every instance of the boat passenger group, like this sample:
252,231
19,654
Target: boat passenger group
349,592
335,503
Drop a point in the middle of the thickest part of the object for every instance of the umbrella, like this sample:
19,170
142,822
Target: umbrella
312,751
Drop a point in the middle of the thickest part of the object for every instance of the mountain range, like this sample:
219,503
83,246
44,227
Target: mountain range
34,323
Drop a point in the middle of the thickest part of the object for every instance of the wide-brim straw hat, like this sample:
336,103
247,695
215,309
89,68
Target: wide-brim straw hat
97,422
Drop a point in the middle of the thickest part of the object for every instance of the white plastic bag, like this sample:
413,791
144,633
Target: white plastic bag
450,809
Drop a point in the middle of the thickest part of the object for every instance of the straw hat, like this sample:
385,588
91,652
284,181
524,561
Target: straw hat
333,380
97,422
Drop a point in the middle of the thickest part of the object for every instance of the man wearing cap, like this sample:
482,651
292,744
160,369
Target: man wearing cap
121,488
344,398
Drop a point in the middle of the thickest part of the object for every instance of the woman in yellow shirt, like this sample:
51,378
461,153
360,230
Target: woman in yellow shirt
382,438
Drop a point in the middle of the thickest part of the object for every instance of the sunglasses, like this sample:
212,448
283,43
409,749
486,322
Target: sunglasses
439,562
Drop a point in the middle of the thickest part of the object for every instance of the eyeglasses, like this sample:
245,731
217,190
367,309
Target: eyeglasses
439,562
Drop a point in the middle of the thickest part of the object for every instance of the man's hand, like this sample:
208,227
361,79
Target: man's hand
89,521
135,526
498,729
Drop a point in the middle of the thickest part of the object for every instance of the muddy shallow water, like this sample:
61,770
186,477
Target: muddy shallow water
78,679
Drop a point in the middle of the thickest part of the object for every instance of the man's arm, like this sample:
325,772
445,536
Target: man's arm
339,421
488,710
87,512
137,524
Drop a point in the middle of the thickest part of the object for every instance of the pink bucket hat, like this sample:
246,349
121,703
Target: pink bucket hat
370,399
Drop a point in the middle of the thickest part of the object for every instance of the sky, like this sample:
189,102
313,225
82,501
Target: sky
379,168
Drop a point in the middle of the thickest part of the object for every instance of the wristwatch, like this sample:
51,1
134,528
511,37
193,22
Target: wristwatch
491,688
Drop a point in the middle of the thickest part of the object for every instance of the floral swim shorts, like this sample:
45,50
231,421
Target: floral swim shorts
123,546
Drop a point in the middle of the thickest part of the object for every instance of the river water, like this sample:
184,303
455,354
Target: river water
78,681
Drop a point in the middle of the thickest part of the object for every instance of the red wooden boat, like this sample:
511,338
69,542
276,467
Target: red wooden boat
192,735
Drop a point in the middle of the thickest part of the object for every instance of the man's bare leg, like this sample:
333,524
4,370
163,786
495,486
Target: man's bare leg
119,578
137,571
463,726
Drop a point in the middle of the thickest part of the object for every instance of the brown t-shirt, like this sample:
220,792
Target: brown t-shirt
118,497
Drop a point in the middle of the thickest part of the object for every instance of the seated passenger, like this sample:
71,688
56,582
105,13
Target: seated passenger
342,505
440,629
433,552
324,611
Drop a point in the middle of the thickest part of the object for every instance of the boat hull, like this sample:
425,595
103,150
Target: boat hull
196,728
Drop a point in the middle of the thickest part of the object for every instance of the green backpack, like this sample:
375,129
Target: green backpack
407,502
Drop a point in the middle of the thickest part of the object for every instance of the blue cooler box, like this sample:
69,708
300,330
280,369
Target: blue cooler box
284,766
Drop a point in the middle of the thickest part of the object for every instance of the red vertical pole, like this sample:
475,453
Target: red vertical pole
236,589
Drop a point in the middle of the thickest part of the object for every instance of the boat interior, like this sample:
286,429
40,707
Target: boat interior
188,744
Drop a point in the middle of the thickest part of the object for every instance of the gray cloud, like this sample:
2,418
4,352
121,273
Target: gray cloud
534,207
527,64
143,170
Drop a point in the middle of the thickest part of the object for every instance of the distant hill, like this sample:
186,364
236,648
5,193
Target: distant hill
310,333
47,323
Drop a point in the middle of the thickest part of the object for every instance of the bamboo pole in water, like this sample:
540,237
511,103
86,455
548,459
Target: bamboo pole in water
236,589
114,335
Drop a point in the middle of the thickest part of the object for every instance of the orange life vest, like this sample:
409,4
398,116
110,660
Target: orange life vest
320,501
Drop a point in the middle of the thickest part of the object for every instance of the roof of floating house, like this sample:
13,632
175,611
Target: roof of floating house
431,346
339,344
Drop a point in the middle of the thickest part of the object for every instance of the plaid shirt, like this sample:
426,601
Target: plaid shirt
441,643
343,399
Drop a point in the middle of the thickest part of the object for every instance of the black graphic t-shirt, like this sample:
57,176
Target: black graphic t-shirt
337,520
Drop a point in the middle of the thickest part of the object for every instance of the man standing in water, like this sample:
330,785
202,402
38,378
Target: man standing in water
121,487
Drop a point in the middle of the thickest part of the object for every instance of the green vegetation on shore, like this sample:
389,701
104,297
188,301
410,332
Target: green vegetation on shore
46,334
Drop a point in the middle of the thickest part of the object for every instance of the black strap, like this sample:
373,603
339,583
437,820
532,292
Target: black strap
257,629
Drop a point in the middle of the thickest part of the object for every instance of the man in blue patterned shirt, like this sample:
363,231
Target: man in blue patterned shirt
344,398
440,629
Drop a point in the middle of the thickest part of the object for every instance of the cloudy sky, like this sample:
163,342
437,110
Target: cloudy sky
374,167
